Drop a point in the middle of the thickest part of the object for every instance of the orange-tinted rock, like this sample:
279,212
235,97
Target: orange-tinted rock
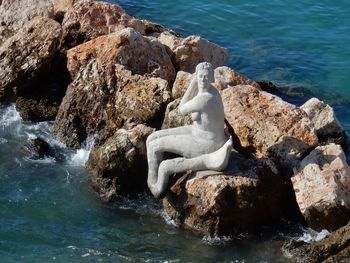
128,48
322,188
106,97
268,126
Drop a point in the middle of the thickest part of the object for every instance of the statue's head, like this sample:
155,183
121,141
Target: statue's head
205,74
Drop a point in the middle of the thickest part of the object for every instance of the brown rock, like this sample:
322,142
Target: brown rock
119,166
182,81
26,56
5,33
248,195
62,5
106,97
226,77
268,126
322,188
127,47
188,52
17,13
335,248
90,19
324,120
173,118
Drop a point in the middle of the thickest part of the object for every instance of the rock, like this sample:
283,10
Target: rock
267,126
182,81
62,5
188,52
119,166
322,116
127,47
90,19
106,97
5,33
335,248
248,195
322,188
173,118
37,148
267,86
26,57
17,13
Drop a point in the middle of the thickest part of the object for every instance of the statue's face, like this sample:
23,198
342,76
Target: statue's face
202,78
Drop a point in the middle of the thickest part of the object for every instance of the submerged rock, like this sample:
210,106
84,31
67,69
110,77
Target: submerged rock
322,116
128,48
267,126
119,166
90,19
335,248
106,97
187,52
248,195
322,188
27,56
17,13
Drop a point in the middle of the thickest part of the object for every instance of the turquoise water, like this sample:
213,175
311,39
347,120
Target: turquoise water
48,213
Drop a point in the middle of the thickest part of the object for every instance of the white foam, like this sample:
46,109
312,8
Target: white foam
80,157
216,240
311,235
3,141
9,116
168,220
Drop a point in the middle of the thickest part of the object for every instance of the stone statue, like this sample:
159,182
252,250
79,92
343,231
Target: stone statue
202,145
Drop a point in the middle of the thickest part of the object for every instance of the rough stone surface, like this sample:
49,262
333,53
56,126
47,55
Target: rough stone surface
334,249
188,52
90,19
268,126
127,47
182,81
62,5
322,188
173,118
5,33
119,166
226,77
243,198
26,57
106,97
323,118
17,13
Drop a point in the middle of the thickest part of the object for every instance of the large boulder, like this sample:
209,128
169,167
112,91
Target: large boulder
335,248
322,116
126,47
268,126
62,5
106,97
187,52
322,188
26,57
87,20
17,13
248,195
119,166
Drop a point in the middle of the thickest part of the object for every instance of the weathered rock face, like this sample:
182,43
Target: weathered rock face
335,248
226,77
5,33
90,19
119,166
245,197
127,47
268,126
104,98
182,81
323,118
62,5
26,56
173,118
188,52
322,188
17,13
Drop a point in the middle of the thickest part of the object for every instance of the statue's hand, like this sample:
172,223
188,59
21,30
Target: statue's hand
195,116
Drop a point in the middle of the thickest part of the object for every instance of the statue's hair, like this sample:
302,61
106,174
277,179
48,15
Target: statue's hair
207,66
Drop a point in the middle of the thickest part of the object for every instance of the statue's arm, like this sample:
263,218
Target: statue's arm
191,91
196,104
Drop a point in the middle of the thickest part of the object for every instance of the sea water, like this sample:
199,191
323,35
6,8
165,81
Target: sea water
48,212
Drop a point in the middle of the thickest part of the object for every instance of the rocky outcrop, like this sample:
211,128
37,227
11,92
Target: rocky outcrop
62,5
187,52
322,188
17,13
90,19
268,126
173,118
335,248
226,77
243,198
26,57
322,116
119,166
106,97
127,47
